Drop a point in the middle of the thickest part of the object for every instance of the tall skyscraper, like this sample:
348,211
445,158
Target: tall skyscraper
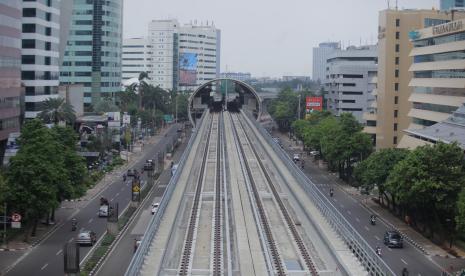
390,111
348,83
320,55
93,50
450,4
10,68
183,57
135,57
40,53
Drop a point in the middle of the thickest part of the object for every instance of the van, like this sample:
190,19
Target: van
103,211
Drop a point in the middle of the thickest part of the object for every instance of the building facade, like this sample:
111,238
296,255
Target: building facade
438,81
135,58
348,84
236,75
320,55
40,53
183,57
93,51
10,68
392,104
450,4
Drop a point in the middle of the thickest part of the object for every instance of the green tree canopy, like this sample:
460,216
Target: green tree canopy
56,110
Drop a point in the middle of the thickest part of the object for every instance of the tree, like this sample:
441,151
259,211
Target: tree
284,108
56,110
105,105
427,183
376,169
36,173
460,217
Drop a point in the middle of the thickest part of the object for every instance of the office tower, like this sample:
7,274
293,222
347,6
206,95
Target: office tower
450,4
348,80
93,50
320,55
134,58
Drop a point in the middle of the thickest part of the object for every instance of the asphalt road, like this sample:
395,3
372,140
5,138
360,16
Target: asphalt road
47,258
118,260
358,216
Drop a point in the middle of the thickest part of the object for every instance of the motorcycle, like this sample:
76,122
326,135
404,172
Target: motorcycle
378,251
74,226
331,192
373,221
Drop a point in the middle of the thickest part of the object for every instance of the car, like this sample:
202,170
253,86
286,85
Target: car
393,238
296,157
103,211
179,130
173,169
148,166
155,206
137,242
131,172
86,237
314,152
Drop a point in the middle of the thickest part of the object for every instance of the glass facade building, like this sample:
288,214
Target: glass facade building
40,53
450,4
93,51
10,68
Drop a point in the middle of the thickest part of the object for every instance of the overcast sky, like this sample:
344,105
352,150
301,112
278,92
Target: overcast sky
270,37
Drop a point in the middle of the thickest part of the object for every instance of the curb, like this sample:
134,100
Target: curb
15,249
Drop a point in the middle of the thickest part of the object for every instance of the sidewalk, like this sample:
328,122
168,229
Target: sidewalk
17,248
440,256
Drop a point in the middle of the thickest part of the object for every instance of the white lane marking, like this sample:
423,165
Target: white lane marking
112,199
335,200
342,206
376,237
70,240
90,220
404,261
117,194
389,249
357,219
59,252
366,228
349,212
45,265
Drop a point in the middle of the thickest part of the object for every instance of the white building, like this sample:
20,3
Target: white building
182,57
236,75
135,58
320,55
40,53
349,80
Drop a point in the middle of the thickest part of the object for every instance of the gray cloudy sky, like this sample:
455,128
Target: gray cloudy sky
270,37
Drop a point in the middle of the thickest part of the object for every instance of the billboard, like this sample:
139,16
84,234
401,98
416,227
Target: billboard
188,69
313,103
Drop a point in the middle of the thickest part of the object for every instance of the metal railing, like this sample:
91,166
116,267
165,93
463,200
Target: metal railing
138,259
356,243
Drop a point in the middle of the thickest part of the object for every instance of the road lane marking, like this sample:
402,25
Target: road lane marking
389,249
349,212
342,206
335,200
90,220
366,228
404,261
70,240
59,252
45,265
357,219
117,194
112,199
376,237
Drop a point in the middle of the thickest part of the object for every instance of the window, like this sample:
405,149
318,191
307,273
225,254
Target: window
397,48
396,113
48,46
396,86
395,129
348,101
396,100
397,35
396,73
48,31
29,28
29,12
28,59
29,43
394,140
47,60
397,60
48,16
397,22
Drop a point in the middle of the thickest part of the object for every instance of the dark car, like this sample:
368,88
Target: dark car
393,238
148,166
131,172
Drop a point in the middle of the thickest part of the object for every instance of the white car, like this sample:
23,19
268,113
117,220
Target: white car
103,211
155,207
296,157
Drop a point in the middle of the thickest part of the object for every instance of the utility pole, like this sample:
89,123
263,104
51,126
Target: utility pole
4,224
298,109
176,108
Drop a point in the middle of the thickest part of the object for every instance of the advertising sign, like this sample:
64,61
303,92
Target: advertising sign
188,69
313,103
126,119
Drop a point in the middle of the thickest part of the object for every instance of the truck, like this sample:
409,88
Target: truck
104,207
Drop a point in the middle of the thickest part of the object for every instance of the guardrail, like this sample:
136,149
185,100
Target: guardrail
138,259
356,243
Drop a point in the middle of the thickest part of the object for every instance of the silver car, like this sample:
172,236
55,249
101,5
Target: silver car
86,237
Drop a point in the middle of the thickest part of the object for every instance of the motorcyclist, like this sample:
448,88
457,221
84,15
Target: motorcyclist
405,272
373,219
378,250
73,224
302,163
331,192
124,177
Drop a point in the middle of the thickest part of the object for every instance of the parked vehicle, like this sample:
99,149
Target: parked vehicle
155,206
86,237
393,238
296,157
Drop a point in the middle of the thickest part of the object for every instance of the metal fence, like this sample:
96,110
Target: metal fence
138,259
356,243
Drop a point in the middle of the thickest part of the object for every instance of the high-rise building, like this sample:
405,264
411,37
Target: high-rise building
348,84
438,85
40,53
183,57
93,50
10,68
450,4
320,55
393,91
135,58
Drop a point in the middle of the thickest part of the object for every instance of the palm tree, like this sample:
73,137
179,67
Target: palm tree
140,87
55,110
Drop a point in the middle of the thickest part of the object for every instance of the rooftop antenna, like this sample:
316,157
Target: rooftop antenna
396,5
389,4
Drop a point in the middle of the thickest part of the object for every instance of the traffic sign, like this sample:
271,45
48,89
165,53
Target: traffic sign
136,189
16,217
